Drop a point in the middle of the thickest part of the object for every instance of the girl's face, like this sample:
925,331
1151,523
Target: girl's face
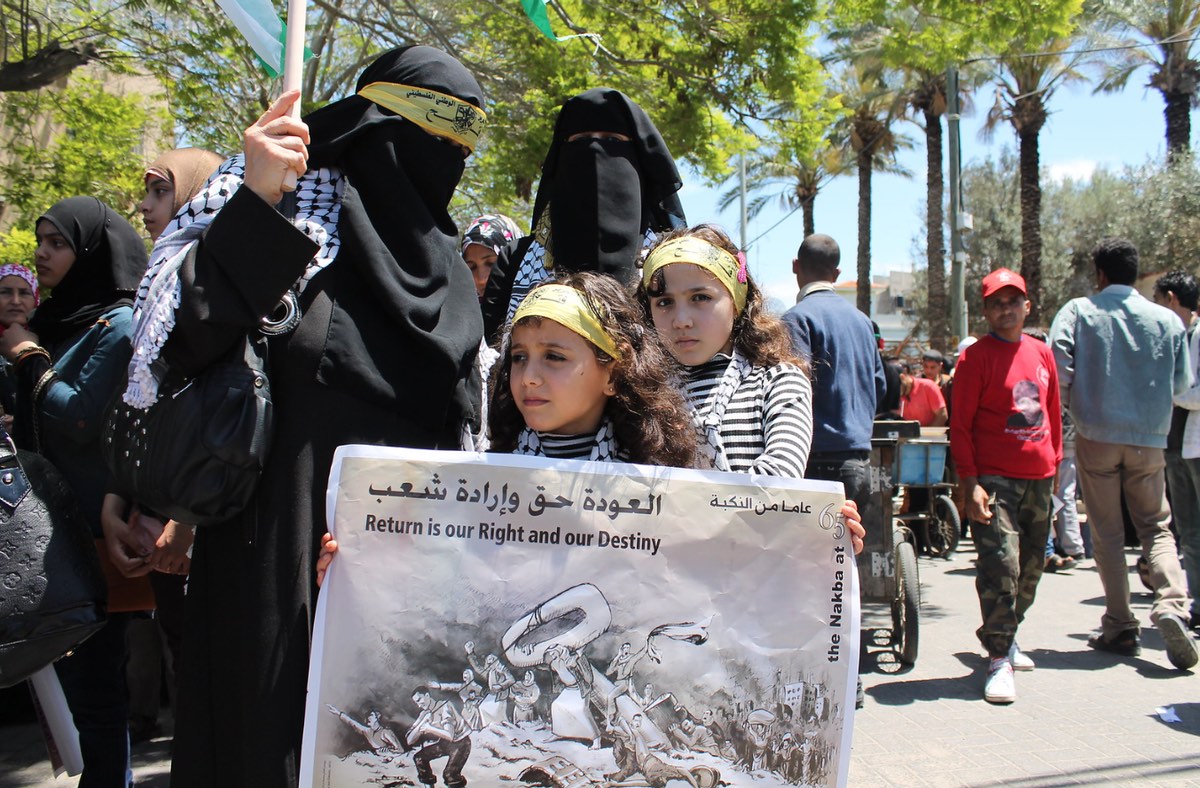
557,382
694,314
53,257
480,259
158,206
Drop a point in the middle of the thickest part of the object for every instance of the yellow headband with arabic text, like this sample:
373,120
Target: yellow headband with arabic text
729,270
437,113
567,307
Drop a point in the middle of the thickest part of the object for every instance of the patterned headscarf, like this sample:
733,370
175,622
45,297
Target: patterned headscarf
493,230
12,269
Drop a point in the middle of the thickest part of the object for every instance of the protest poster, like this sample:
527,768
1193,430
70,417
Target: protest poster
502,620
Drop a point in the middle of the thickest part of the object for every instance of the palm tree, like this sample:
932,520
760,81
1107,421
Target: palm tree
1024,85
869,94
1170,27
793,184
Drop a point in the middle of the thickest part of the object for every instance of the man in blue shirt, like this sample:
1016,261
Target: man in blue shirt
1120,360
847,371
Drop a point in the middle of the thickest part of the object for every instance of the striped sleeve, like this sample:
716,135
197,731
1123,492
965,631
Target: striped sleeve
787,423
767,427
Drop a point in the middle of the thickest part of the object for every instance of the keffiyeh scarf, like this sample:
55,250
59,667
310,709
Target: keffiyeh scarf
708,422
318,205
604,447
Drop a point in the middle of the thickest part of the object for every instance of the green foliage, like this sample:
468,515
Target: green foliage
17,247
1156,205
100,152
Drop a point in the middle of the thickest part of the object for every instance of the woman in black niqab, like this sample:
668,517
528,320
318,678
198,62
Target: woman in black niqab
607,181
383,354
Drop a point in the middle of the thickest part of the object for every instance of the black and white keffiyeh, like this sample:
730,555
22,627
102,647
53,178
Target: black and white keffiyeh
604,444
318,205
710,414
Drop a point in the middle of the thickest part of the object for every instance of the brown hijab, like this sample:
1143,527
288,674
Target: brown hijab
187,169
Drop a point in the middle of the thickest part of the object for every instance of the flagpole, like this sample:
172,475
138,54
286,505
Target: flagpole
293,60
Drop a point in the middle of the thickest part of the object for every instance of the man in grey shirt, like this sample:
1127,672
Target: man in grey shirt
1120,361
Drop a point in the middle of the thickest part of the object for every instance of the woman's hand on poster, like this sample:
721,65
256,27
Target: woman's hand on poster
275,146
329,548
854,524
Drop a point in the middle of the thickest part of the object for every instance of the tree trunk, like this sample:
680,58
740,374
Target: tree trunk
1031,220
865,162
935,252
806,205
1179,121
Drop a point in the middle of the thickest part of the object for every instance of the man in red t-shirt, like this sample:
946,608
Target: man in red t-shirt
921,401
1006,438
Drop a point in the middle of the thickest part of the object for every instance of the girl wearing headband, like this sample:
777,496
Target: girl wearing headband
581,378
751,398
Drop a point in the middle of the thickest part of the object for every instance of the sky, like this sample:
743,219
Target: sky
1084,131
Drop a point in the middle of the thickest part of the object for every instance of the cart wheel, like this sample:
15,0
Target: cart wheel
945,527
907,604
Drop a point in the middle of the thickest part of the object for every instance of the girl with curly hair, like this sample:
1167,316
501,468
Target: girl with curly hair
580,377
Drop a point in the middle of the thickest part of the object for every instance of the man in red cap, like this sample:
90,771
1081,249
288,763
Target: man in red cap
1006,438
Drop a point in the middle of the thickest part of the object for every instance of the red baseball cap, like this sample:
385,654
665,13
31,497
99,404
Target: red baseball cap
1001,278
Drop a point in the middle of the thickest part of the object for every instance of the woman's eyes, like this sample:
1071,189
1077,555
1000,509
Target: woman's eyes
663,303
701,297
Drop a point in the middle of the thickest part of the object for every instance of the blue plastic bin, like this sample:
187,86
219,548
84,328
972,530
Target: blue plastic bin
920,463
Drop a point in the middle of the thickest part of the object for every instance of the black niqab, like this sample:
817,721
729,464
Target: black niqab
110,258
396,229
603,194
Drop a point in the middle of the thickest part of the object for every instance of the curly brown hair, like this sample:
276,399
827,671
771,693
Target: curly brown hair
649,415
758,335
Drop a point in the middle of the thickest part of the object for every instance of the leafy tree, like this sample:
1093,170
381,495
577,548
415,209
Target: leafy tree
869,94
922,39
1154,205
17,247
791,182
1160,35
1026,83
100,152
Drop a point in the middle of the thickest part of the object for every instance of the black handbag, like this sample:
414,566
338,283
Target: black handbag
52,591
197,453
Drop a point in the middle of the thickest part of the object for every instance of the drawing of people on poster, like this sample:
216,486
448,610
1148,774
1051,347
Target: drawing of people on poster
518,620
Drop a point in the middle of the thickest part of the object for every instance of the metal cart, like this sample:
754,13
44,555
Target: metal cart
887,566
920,466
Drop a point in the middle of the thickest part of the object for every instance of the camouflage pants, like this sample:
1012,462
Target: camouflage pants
1012,554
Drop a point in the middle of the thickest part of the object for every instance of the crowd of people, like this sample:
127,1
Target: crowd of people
612,331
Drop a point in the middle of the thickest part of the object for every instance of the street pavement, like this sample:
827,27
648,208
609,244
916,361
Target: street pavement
1081,717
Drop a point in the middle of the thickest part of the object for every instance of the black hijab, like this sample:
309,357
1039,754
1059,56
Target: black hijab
412,307
603,194
110,258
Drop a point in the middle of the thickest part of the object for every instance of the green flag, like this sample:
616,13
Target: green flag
536,11
258,21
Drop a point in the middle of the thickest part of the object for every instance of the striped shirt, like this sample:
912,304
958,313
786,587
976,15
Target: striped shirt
767,427
567,447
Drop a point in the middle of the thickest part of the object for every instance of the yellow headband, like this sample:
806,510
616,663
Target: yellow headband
567,307
729,270
437,113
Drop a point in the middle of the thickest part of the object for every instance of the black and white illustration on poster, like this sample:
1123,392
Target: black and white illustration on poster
503,620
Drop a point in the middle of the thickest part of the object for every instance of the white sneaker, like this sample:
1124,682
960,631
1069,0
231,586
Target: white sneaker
1019,659
1000,687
